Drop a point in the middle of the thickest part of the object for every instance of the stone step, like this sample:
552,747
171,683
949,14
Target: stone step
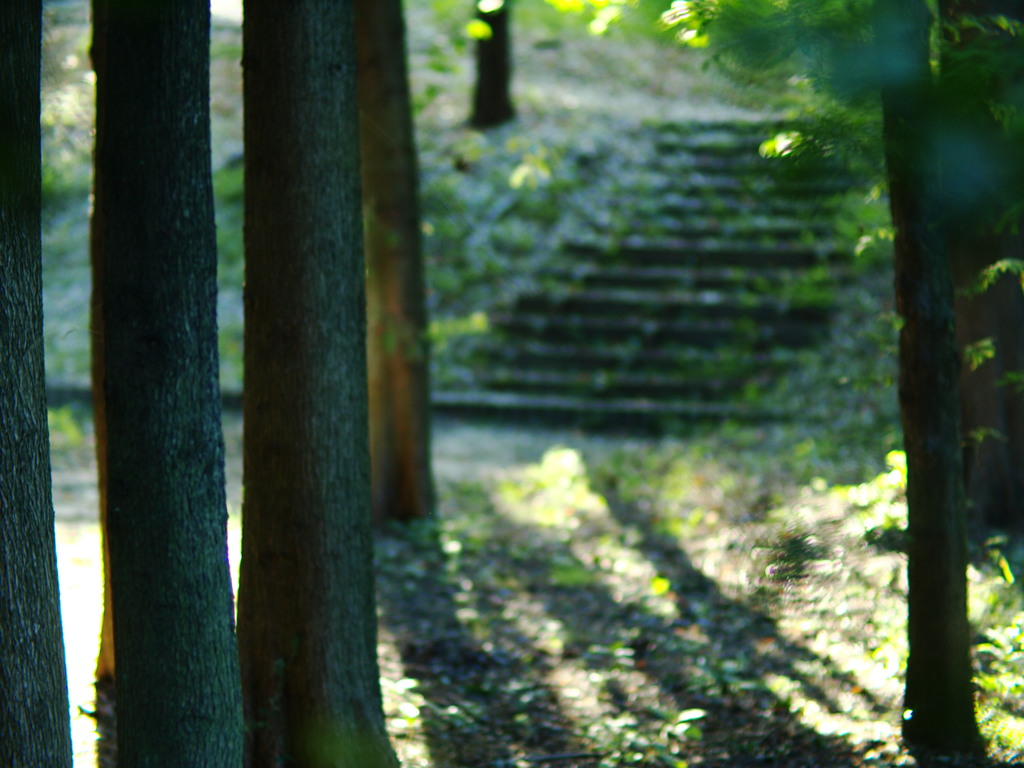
669,304
605,384
706,252
530,354
629,414
713,138
678,178
774,230
671,203
724,275
705,333
768,280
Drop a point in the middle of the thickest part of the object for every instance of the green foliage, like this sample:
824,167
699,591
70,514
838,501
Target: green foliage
66,103
491,204
478,29
846,52
976,353
66,426
880,505
229,199
1001,658
229,196
988,276
603,13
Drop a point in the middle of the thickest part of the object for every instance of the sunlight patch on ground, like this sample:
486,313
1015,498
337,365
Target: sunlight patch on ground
81,588
229,10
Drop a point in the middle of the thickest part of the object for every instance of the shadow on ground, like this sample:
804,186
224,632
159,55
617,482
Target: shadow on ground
530,644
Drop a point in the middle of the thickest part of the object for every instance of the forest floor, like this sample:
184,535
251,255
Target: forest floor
601,601
733,595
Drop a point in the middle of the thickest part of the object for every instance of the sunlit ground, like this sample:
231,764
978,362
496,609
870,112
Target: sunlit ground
226,9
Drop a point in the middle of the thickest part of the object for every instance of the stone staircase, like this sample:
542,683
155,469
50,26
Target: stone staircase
684,296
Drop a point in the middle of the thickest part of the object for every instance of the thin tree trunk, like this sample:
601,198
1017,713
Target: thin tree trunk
105,660
307,620
939,697
178,693
396,309
492,94
34,723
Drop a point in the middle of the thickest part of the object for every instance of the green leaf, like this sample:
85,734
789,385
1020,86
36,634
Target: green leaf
478,29
1004,568
660,586
977,353
1014,379
993,272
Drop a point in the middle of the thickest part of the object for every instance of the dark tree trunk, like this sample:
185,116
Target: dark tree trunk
492,95
396,310
992,411
939,692
178,693
307,620
983,164
34,723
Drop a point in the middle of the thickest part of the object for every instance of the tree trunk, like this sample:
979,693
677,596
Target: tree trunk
178,694
105,659
396,309
982,171
992,413
939,694
307,620
492,95
34,723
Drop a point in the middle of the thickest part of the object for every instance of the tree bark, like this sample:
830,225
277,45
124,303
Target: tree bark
939,693
178,692
982,173
307,620
992,411
492,94
34,718
396,307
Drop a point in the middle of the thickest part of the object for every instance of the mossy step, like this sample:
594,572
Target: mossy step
769,280
681,180
704,275
712,139
707,333
732,126
617,413
702,252
637,358
680,205
672,304
609,384
737,224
